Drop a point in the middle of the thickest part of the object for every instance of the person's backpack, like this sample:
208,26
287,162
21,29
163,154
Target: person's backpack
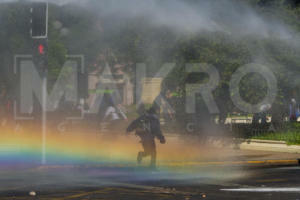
145,124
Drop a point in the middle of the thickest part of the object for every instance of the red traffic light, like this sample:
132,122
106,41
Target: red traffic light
41,49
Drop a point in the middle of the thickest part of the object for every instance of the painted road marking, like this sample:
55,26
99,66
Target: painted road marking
270,180
127,187
297,189
186,164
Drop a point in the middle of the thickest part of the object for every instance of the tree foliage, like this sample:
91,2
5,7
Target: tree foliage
78,30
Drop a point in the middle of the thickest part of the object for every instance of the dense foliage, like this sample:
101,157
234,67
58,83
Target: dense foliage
108,38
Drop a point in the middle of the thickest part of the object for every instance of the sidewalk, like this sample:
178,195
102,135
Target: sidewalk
269,145
244,153
245,158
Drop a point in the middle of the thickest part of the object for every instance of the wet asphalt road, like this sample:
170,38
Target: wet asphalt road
105,183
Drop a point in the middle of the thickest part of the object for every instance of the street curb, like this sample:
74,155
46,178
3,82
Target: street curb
264,141
253,163
265,145
256,144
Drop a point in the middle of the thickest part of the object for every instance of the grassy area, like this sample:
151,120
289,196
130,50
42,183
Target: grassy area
291,136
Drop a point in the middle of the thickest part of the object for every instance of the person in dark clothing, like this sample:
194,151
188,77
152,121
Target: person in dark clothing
262,115
147,127
293,110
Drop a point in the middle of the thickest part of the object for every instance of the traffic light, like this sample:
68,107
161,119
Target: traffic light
41,49
39,20
40,53
39,34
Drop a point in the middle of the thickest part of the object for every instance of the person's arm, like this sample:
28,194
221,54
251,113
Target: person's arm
133,125
107,113
122,113
157,131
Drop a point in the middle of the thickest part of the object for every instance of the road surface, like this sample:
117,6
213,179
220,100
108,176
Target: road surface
87,182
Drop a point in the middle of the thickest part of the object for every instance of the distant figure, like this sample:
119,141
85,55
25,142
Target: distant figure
293,110
114,115
262,115
147,127
264,108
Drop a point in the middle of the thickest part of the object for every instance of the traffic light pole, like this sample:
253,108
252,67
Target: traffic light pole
39,32
44,115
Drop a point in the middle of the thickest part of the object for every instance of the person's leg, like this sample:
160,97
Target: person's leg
144,153
152,152
263,118
255,119
153,159
140,157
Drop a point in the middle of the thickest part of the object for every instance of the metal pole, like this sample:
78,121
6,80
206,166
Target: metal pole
44,100
44,73
44,117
